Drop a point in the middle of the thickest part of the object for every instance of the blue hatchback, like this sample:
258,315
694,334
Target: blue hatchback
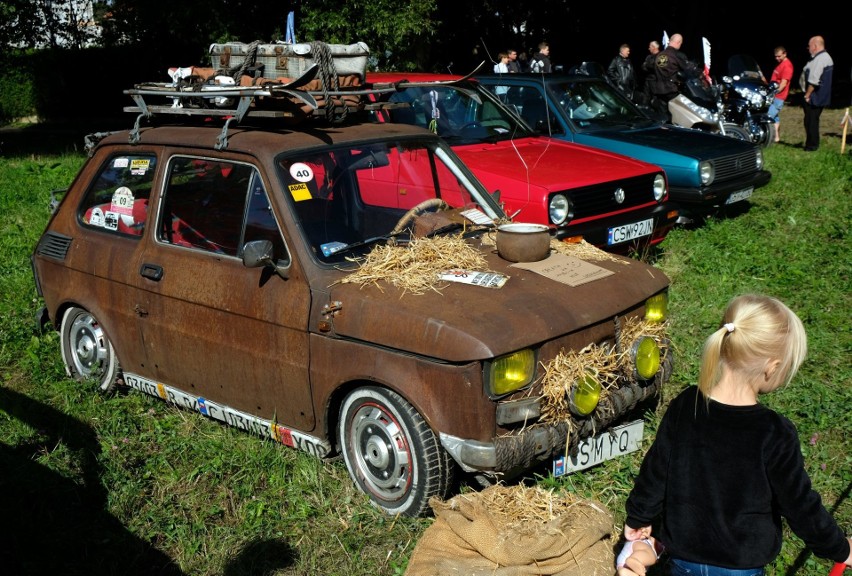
705,171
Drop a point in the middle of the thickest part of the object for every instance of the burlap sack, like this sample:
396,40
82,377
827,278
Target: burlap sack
467,538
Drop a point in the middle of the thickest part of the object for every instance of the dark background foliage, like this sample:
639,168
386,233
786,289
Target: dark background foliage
141,39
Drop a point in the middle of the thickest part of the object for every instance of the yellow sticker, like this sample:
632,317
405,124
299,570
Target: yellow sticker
300,192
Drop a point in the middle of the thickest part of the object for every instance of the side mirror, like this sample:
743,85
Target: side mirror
496,196
258,253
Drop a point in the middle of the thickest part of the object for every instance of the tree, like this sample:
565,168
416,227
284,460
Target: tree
48,23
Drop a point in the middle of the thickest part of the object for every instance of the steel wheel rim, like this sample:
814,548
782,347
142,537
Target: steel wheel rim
381,451
87,346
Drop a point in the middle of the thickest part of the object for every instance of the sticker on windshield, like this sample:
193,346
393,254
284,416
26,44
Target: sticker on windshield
301,172
121,163
299,192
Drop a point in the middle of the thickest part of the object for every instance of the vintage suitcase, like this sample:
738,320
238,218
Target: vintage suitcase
288,60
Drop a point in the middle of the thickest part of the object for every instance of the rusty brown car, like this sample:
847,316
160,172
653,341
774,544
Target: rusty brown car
217,271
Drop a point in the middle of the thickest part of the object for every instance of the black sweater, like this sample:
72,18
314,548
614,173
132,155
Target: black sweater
721,477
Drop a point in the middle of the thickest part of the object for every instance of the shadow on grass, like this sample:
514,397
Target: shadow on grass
59,525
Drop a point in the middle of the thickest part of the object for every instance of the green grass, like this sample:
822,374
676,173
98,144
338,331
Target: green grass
122,485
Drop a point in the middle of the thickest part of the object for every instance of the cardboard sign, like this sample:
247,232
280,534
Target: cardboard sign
565,269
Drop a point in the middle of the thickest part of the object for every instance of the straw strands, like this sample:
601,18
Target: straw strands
415,267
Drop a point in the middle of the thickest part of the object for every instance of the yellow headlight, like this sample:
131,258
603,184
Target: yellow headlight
512,372
657,307
585,395
646,357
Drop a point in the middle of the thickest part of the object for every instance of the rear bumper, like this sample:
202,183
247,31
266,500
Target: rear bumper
516,453
715,195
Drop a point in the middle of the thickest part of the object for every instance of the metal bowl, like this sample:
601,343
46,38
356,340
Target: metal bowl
522,242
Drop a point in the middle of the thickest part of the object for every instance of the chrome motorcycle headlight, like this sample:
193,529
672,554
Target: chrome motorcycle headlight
756,101
561,209
659,187
758,160
707,172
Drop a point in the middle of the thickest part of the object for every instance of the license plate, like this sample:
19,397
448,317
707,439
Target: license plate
630,231
739,195
611,444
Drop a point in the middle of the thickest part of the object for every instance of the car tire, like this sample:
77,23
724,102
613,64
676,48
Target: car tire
86,351
391,452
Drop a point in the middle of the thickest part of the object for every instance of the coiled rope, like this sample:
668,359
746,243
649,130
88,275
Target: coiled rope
328,79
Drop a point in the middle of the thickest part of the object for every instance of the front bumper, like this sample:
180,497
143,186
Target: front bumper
713,196
515,453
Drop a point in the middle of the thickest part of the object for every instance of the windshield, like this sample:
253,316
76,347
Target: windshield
596,104
348,199
744,65
459,114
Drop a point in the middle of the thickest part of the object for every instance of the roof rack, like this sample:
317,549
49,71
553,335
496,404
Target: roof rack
288,100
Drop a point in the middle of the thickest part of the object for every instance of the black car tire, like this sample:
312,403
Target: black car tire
391,453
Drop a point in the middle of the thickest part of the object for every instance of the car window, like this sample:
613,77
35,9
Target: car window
460,115
117,199
530,104
595,104
347,197
216,206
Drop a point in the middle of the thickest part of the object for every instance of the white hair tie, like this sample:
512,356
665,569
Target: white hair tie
730,327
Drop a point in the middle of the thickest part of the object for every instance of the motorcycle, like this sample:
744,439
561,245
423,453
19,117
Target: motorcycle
737,106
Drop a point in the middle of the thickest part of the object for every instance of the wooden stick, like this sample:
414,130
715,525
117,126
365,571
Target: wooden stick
845,123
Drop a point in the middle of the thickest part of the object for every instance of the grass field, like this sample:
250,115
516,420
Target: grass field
129,485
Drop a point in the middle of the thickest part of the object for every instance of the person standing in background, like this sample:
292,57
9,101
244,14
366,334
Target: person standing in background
648,71
502,65
783,74
541,59
513,65
815,82
620,71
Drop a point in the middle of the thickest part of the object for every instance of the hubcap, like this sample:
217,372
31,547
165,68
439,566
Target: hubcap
87,345
382,452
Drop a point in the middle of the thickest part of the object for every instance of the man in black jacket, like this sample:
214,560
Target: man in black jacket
620,72
667,64
541,59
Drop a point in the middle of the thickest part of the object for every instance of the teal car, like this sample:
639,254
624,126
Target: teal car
706,172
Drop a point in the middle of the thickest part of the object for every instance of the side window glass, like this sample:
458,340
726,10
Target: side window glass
260,221
204,204
117,199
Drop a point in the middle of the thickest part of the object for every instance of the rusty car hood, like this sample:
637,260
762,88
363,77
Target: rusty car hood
462,323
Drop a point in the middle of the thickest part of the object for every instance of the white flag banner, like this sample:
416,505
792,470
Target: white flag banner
665,38
706,43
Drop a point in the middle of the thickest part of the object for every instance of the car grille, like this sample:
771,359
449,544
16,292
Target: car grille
731,167
599,199
53,245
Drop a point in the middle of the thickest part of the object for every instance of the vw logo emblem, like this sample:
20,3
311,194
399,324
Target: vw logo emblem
619,195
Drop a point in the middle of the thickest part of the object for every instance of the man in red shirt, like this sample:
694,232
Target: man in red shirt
783,74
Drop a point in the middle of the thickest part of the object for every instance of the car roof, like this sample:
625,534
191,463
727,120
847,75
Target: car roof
253,138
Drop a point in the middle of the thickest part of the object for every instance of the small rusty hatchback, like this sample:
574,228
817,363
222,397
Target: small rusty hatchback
227,271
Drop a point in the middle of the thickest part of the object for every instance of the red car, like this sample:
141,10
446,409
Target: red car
612,201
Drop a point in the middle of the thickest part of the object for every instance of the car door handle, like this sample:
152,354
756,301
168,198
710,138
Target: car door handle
151,271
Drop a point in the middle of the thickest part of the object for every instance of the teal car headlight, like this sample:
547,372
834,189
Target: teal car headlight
707,172
511,372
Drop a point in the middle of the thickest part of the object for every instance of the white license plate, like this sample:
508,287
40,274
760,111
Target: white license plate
630,231
739,195
611,444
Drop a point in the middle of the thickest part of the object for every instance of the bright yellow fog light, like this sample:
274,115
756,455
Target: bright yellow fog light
646,357
585,395
512,372
657,307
